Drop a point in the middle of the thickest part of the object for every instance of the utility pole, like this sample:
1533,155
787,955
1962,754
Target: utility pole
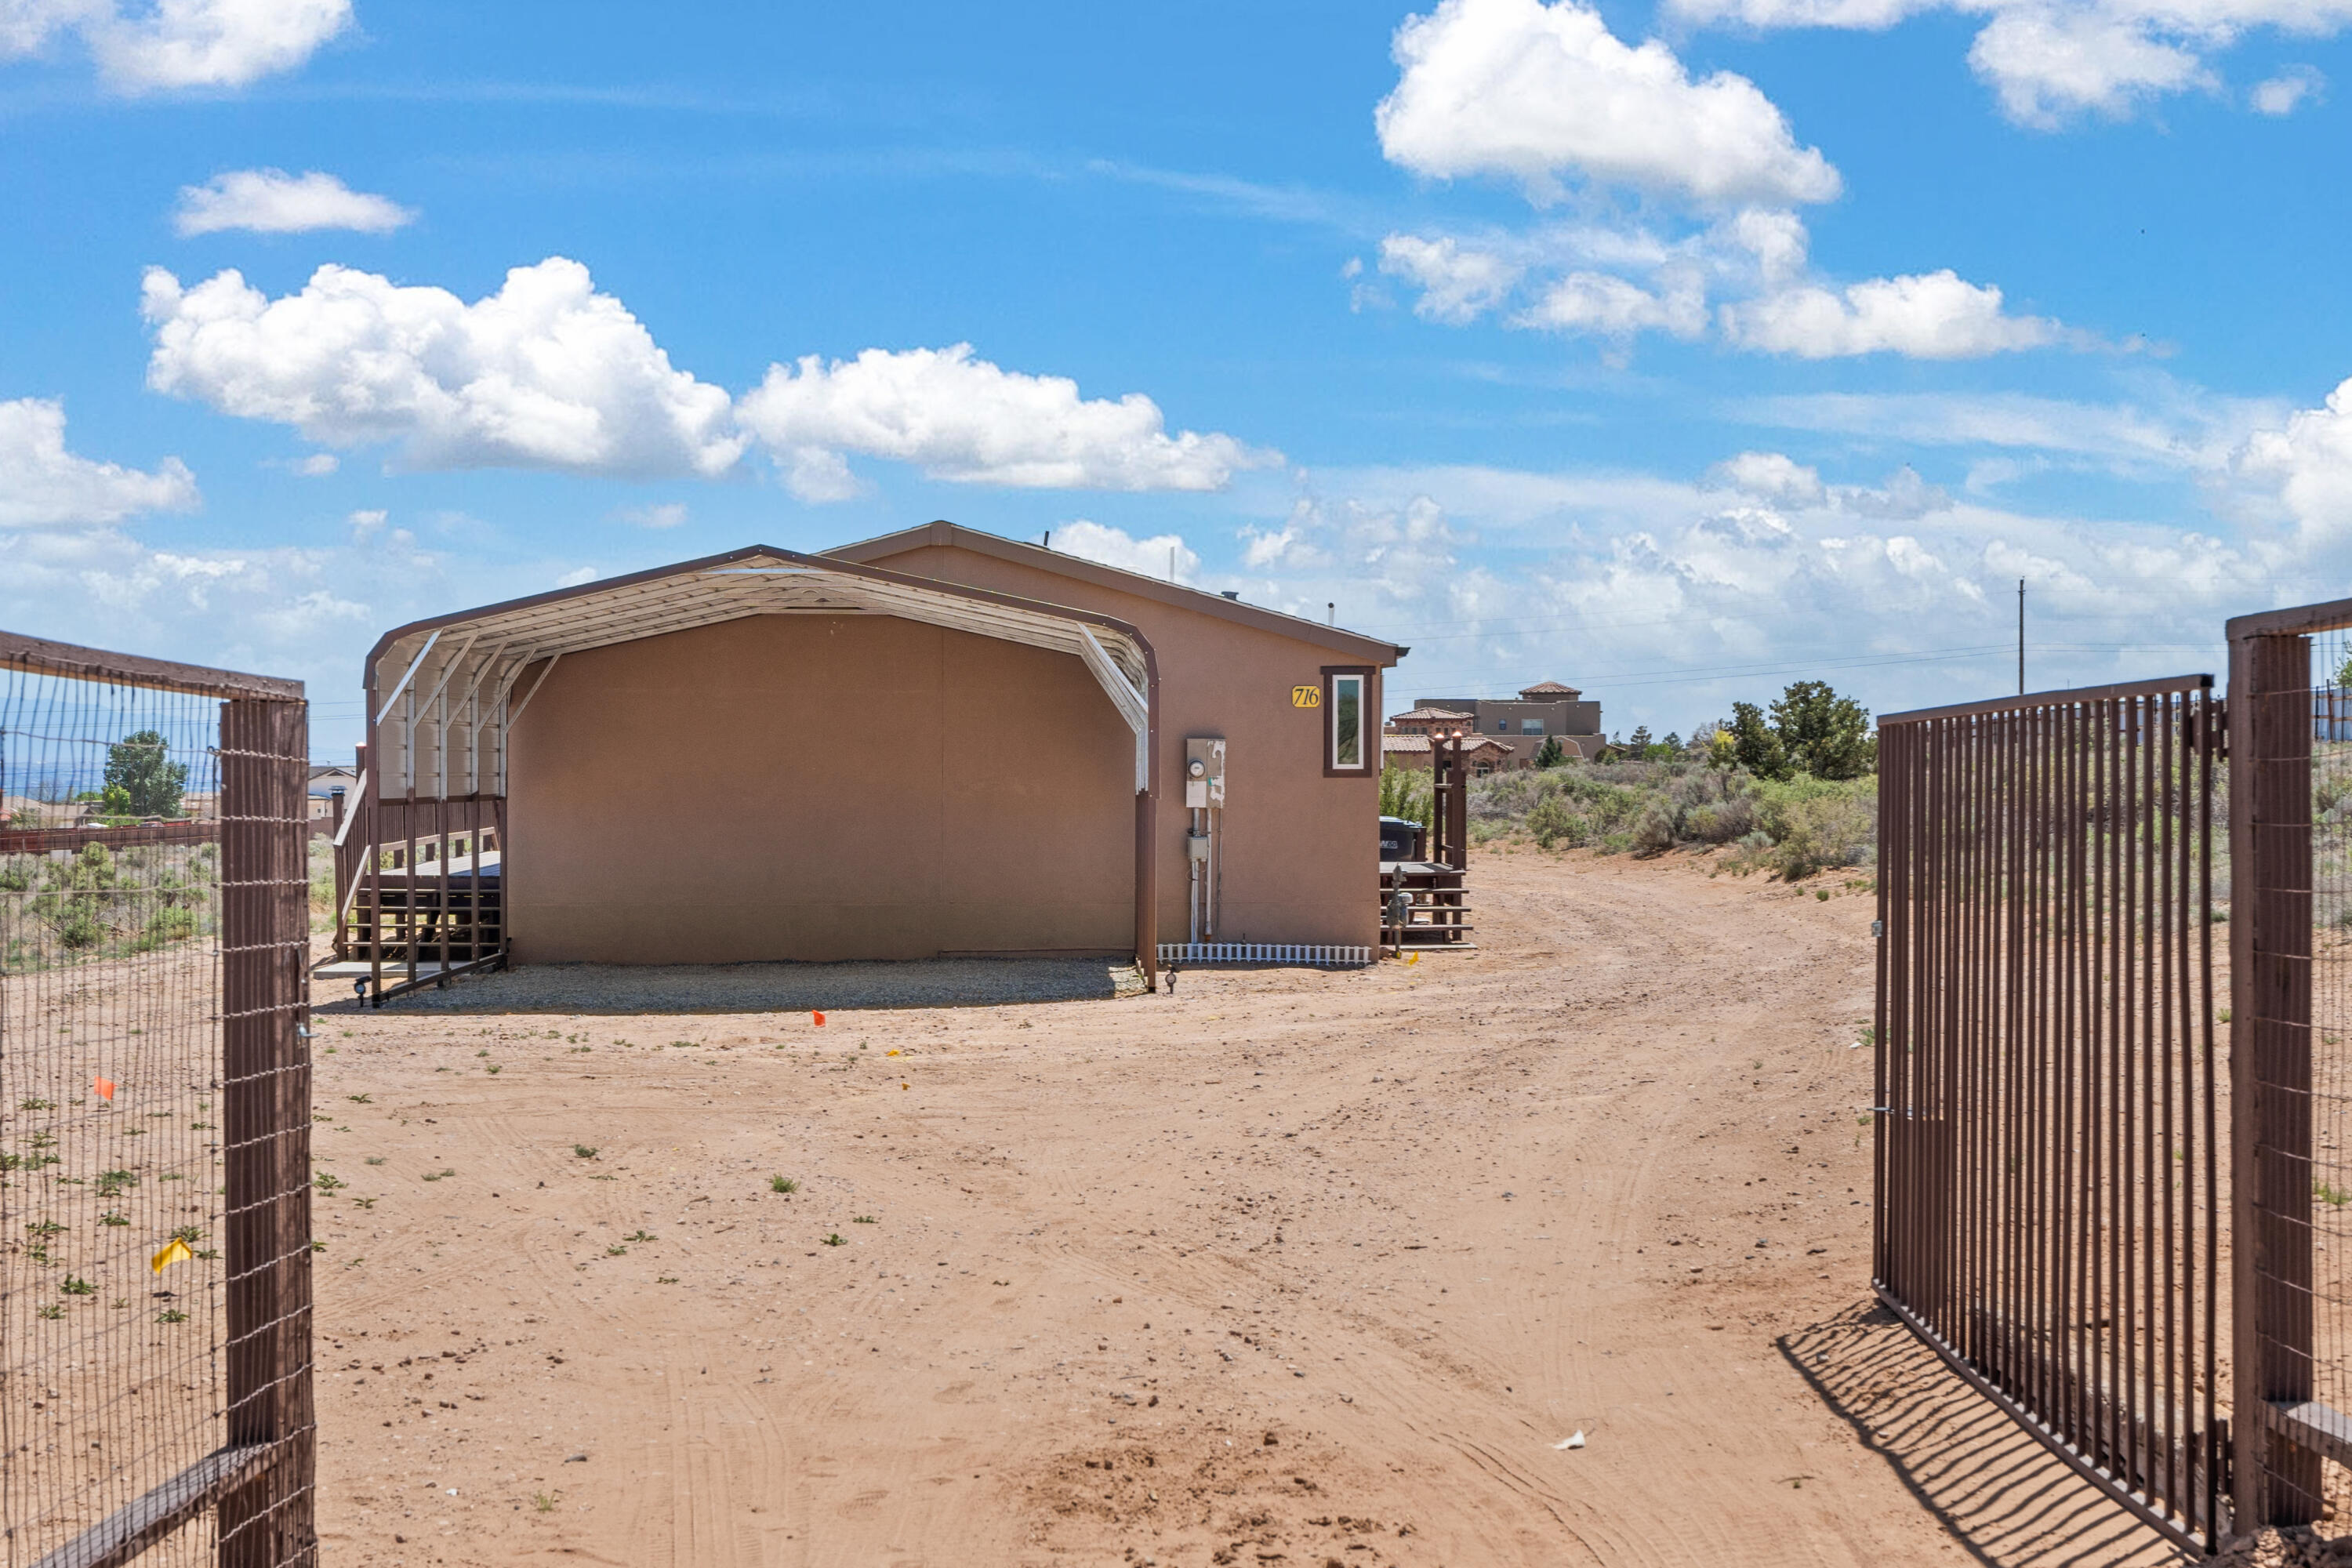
2021,636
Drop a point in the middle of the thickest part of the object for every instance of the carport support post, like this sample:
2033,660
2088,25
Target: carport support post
1147,887
2276,1482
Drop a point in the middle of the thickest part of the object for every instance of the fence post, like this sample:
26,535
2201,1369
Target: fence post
2276,1481
266,1523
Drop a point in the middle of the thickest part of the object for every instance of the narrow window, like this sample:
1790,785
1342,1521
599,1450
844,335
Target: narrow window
1347,701
1348,721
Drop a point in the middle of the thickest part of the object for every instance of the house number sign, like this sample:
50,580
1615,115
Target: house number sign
1307,697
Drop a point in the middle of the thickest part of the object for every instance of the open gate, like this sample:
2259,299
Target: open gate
2047,1159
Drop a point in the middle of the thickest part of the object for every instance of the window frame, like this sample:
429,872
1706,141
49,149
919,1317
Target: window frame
1365,728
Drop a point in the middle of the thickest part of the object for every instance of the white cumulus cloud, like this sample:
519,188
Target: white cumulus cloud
2050,61
962,419
1932,316
44,485
1772,476
1608,306
2046,63
1543,92
2308,460
544,374
271,201
1151,557
2284,93
1458,283
178,43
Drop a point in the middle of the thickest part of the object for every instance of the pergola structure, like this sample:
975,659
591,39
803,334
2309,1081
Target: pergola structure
443,694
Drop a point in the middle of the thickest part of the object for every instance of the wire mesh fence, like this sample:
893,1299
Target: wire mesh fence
153,1113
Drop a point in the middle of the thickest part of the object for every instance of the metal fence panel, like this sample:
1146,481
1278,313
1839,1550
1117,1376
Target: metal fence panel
154,1220
2046,1078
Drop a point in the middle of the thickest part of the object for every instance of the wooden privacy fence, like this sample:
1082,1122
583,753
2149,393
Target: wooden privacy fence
155,1333
2046,1098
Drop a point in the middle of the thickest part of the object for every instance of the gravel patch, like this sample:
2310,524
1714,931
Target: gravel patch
773,987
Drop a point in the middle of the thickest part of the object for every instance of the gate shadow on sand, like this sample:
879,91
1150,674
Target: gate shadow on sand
2006,1501
584,988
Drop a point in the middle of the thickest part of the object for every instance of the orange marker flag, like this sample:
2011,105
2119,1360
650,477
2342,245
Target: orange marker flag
891,1053
820,1019
105,1087
174,1251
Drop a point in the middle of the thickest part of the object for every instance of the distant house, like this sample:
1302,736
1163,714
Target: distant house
326,778
1543,711
1427,721
1485,755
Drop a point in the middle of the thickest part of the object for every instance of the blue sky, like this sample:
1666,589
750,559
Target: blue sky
1675,352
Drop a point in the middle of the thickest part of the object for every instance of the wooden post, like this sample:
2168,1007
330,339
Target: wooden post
266,1521
2270,1069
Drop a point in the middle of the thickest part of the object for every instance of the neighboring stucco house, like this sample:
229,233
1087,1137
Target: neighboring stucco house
1523,724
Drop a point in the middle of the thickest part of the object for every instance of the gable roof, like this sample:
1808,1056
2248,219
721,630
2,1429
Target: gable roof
1372,650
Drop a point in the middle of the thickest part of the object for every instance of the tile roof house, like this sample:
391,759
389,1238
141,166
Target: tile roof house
1549,709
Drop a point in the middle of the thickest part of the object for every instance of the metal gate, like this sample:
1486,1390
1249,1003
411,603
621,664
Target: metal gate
2046,1096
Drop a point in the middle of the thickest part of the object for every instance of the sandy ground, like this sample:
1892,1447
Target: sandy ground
1287,1267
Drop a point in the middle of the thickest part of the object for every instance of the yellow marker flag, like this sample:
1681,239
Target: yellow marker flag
891,1053
1412,959
174,1251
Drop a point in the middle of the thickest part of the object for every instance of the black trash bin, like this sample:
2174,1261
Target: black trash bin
1400,839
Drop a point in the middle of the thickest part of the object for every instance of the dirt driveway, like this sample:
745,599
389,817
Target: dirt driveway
1285,1268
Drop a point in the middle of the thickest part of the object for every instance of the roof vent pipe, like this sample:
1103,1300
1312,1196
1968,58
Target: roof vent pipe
1235,594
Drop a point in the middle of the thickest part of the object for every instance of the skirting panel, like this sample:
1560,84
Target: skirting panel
1315,956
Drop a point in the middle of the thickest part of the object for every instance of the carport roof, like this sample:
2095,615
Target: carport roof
442,692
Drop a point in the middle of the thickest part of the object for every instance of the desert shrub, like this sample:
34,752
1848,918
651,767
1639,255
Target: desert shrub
17,874
170,925
76,925
1403,793
1832,828
1554,821
1720,822
1654,829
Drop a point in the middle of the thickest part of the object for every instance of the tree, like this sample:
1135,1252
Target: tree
1638,742
1756,745
1823,734
1551,753
140,767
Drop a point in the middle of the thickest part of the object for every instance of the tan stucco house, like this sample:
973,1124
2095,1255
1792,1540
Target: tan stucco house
663,755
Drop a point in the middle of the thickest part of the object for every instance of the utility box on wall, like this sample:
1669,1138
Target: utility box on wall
1205,774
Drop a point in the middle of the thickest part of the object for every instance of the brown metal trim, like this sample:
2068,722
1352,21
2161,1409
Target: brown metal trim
1368,730
2038,700
2300,620
945,534
147,1519
41,657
